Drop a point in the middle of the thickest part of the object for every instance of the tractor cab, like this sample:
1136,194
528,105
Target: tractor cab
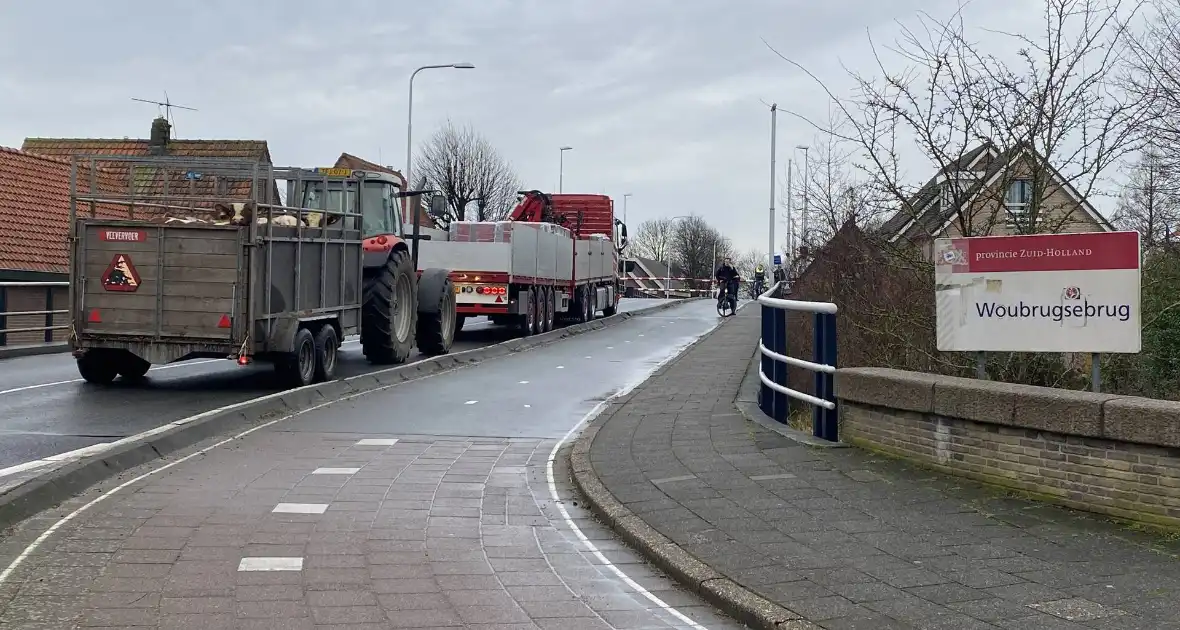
378,203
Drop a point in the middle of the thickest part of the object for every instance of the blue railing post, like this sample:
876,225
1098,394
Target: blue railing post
825,423
779,376
765,394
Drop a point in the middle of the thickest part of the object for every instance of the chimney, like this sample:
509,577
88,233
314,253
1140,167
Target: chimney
158,144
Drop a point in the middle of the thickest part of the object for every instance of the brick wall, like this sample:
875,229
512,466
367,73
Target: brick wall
1103,453
26,299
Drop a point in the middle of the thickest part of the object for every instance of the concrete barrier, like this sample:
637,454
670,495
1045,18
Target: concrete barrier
1114,455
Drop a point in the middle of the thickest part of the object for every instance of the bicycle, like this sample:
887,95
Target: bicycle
757,288
727,298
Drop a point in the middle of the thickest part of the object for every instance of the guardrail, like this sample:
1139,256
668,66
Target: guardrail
26,297
774,394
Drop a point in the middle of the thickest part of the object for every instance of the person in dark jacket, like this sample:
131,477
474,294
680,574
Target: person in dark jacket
727,276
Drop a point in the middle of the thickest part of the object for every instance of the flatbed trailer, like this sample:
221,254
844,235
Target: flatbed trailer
554,259
145,291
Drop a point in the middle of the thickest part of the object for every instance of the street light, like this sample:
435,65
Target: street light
806,176
561,167
410,108
625,196
668,254
410,142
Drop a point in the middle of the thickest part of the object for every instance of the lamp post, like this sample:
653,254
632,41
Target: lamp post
806,176
773,137
625,196
561,167
668,253
410,110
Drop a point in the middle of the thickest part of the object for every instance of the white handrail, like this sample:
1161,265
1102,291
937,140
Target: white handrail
799,363
819,402
794,305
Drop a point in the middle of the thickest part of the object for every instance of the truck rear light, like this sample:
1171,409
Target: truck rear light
480,290
243,360
501,290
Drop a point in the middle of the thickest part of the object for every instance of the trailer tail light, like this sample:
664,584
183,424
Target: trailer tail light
94,317
224,322
243,360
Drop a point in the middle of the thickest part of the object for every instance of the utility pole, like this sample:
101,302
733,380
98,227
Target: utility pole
790,253
773,130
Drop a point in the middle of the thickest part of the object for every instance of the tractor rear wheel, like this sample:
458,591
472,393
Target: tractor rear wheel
390,312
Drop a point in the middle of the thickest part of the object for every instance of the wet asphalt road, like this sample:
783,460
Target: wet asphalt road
434,503
45,409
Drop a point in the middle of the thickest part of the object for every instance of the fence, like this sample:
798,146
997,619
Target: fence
33,313
772,398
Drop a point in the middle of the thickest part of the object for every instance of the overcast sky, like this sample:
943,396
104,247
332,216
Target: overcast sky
660,99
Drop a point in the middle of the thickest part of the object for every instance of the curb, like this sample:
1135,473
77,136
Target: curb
735,600
54,486
31,350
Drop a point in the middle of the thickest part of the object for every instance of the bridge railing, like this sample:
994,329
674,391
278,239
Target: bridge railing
774,395
31,312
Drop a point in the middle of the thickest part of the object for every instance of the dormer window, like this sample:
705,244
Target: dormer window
1018,197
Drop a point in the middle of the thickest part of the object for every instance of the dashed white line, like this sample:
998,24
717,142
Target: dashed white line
271,564
377,442
561,367
524,382
300,508
471,402
335,471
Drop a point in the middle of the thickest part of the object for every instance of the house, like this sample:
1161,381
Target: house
161,144
995,190
35,210
347,160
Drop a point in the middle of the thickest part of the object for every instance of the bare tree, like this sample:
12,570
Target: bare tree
749,260
652,239
1150,204
834,193
696,245
464,167
1153,77
1053,113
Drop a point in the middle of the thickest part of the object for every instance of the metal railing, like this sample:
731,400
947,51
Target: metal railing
774,394
49,314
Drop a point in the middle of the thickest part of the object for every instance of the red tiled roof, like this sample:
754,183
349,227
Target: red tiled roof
348,160
153,183
35,210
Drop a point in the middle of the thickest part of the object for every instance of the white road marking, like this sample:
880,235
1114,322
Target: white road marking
528,406
40,540
300,508
471,402
377,442
524,382
561,367
335,471
557,500
588,356
271,564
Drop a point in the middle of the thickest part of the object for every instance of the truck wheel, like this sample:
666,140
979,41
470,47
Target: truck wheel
527,322
298,368
608,311
97,366
549,310
435,331
327,345
132,367
591,308
389,315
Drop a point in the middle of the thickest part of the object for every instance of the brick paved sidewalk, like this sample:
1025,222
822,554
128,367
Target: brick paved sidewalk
850,540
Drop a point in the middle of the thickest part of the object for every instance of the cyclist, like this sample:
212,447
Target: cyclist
759,280
727,277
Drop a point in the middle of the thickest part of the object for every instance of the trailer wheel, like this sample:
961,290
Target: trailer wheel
327,345
297,368
608,311
97,366
549,310
527,322
435,331
390,311
132,367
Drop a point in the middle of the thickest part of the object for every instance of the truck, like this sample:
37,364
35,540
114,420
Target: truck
554,258
153,283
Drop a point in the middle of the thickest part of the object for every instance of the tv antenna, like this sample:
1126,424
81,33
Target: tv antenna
166,106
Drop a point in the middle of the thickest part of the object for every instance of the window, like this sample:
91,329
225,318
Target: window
1017,199
380,208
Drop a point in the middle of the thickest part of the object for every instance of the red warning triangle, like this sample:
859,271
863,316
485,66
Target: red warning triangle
94,317
224,323
121,275
499,299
